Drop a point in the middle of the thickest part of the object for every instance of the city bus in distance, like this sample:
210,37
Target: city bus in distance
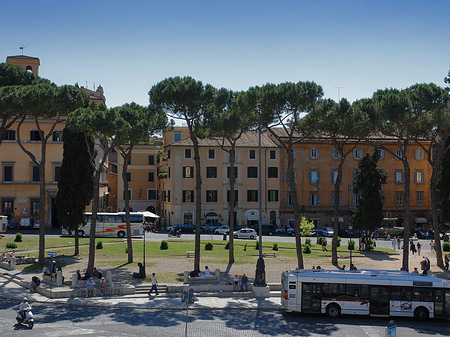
365,292
111,225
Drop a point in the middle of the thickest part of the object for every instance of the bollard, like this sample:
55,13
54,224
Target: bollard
59,278
74,280
109,278
225,237
391,329
12,263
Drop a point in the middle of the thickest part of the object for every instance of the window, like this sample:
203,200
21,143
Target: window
7,207
188,196
381,154
211,196
294,153
272,154
151,176
272,172
7,173
176,136
399,177
168,196
188,171
398,154
34,207
168,172
418,154
9,135
314,177
36,135
272,195
128,176
289,199
188,217
35,173
287,177
334,175
419,177
151,160
211,172
335,154
57,173
273,217
252,154
355,199
399,198
187,153
314,153
419,198
211,154
57,136
236,198
314,199
168,154
357,153
332,199
151,194
252,195
252,172
235,172
129,194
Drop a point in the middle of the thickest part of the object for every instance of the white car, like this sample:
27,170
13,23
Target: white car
245,233
222,230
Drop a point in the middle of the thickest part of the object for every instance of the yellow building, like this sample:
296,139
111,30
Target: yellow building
177,195
19,185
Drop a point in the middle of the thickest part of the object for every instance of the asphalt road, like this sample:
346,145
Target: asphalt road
63,320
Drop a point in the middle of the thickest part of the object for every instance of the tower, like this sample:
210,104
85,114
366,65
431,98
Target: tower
26,62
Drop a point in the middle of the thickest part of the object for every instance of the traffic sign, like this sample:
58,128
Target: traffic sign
52,254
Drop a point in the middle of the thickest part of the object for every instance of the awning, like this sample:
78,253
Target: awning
420,220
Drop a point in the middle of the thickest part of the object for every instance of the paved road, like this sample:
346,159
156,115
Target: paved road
62,320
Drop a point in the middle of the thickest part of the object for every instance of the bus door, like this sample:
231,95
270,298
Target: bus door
311,297
379,301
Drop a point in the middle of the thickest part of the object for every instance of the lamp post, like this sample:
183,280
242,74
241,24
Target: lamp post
260,278
143,257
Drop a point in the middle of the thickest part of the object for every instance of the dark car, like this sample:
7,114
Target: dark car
187,228
348,233
266,229
12,224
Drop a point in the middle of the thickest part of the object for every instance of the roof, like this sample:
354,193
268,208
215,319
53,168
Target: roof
22,57
248,139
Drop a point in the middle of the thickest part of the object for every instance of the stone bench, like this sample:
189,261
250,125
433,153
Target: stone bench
190,254
10,263
76,283
266,254
214,278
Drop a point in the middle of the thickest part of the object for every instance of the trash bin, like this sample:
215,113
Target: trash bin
224,237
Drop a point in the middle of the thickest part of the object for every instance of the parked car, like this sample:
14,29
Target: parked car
36,224
187,228
12,224
245,233
222,230
266,229
210,227
349,233
325,231
285,231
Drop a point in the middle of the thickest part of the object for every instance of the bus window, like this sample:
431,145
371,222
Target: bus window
438,303
353,291
422,294
401,294
112,218
447,302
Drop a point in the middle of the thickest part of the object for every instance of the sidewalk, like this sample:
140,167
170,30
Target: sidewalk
15,292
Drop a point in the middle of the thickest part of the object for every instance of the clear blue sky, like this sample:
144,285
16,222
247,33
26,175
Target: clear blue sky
128,46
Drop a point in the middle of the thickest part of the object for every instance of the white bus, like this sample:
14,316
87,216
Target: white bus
112,224
365,292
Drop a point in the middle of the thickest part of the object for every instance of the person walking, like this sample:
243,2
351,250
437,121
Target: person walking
447,261
398,242
412,247
324,245
394,242
154,285
419,246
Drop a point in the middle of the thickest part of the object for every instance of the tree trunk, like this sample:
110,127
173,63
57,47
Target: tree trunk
334,242
294,196
198,201
231,245
126,157
405,263
42,203
435,217
95,203
77,242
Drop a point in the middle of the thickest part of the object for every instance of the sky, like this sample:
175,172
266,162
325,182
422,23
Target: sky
350,48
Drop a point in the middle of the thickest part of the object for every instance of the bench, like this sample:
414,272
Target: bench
266,254
190,254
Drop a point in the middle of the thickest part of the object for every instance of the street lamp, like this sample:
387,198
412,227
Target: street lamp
260,278
143,257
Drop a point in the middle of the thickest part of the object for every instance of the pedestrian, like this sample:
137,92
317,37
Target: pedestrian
412,247
394,242
90,284
244,283
398,242
415,271
343,267
102,286
154,285
447,260
236,280
419,246
432,245
352,267
324,245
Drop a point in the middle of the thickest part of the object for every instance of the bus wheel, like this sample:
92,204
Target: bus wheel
121,234
80,233
333,310
421,314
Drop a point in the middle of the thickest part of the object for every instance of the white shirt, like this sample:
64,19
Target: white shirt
154,282
24,306
207,272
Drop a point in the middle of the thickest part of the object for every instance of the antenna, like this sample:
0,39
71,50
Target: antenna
339,93
21,48
86,85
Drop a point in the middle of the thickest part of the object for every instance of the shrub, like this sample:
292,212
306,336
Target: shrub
351,245
306,249
446,238
227,246
18,238
339,241
164,245
308,242
371,243
275,246
319,240
446,246
245,247
257,245
209,246
99,245
126,250
11,245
